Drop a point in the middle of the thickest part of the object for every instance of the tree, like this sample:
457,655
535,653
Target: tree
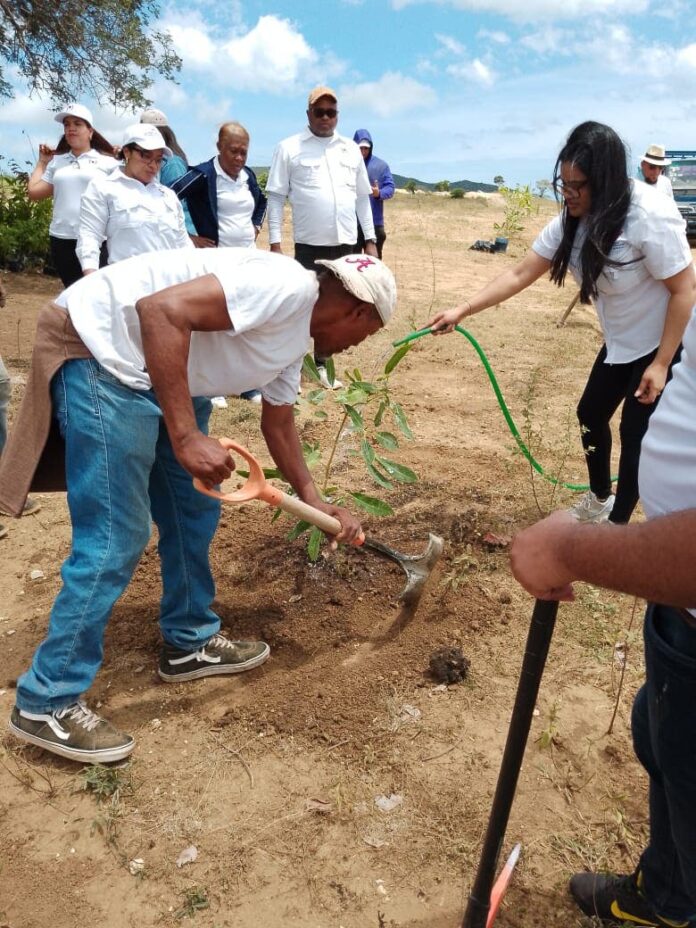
543,185
498,180
442,186
410,185
100,48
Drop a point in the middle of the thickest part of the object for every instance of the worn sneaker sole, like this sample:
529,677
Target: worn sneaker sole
102,756
215,670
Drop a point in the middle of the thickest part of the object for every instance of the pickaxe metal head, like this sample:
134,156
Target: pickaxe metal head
417,567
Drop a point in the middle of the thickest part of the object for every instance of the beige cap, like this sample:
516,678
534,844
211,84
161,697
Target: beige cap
154,117
656,155
75,109
320,92
368,279
147,137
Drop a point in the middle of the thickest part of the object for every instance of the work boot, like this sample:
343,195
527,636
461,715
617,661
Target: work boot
74,732
618,900
218,656
591,509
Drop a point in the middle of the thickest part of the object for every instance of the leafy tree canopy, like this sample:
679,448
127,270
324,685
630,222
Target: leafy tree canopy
101,48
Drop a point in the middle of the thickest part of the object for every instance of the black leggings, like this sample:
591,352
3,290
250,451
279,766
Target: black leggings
607,386
65,261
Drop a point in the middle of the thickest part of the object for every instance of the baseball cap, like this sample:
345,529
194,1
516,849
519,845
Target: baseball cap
154,117
364,143
320,92
368,279
75,109
146,136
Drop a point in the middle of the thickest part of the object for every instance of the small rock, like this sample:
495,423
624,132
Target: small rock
37,574
10,631
389,803
136,866
155,724
187,856
409,712
139,669
295,598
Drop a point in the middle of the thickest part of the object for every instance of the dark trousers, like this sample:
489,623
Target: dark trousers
664,737
607,387
308,254
381,237
65,260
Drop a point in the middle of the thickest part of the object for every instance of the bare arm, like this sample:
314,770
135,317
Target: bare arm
38,189
682,290
653,560
167,319
507,284
278,427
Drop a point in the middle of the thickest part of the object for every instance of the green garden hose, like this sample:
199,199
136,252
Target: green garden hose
514,431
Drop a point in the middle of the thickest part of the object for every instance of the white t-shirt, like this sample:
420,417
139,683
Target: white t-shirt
662,184
133,218
326,181
667,472
269,298
235,206
70,176
632,300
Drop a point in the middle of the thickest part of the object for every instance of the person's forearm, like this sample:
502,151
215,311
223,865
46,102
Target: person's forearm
678,314
38,189
363,211
653,560
276,202
282,440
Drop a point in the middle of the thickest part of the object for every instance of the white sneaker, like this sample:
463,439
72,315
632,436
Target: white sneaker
219,401
590,509
324,378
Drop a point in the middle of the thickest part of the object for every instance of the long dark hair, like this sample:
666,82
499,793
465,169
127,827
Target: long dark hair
597,151
171,142
99,143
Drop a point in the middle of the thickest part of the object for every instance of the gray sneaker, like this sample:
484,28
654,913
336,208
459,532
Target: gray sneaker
590,509
219,655
74,732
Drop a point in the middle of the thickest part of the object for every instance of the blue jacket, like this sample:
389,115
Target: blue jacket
377,170
198,187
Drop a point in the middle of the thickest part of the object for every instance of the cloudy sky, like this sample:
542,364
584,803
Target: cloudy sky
448,88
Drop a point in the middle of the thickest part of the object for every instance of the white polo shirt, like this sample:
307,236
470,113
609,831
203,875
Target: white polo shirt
326,182
632,300
235,206
70,175
663,183
667,472
269,299
133,218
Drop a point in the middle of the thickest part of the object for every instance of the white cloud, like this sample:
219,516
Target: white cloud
475,71
393,93
193,44
549,40
450,44
494,35
529,10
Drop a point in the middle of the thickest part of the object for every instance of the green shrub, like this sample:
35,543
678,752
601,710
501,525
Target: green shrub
23,224
457,193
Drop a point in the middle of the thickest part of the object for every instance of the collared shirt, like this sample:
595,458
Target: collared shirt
70,174
235,206
663,183
632,300
269,300
326,182
132,217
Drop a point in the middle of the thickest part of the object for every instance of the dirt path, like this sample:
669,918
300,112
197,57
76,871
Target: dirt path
273,777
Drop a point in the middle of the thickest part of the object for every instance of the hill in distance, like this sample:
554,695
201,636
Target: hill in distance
400,180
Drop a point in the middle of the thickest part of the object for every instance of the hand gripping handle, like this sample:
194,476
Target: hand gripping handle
257,487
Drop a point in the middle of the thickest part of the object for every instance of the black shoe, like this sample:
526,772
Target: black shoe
618,900
219,655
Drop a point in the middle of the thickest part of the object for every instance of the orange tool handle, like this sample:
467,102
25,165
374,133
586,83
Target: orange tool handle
257,487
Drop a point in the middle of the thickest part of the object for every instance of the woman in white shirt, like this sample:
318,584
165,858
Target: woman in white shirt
129,208
626,247
64,173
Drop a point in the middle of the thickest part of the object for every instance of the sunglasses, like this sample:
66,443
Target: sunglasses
329,111
148,157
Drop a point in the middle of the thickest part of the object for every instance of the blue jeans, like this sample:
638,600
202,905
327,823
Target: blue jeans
120,468
664,736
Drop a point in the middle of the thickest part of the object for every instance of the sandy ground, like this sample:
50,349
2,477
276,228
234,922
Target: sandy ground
273,777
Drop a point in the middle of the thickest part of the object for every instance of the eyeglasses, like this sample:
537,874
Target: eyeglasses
329,111
571,188
148,157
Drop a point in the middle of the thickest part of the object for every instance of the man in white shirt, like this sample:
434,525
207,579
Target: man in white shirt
651,167
159,334
653,560
324,177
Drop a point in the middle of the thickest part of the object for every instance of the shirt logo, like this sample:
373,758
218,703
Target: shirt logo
361,262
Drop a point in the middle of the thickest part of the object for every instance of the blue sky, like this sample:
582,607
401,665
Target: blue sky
448,88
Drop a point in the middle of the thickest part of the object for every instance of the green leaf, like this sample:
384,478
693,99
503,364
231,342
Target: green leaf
297,529
312,454
376,507
316,537
401,420
380,413
366,386
378,477
357,375
320,414
353,396
398,356
398,471
367,451
316,396
309,369
387,440
330,369
354,416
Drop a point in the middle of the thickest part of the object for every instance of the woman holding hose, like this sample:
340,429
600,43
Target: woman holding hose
626,248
